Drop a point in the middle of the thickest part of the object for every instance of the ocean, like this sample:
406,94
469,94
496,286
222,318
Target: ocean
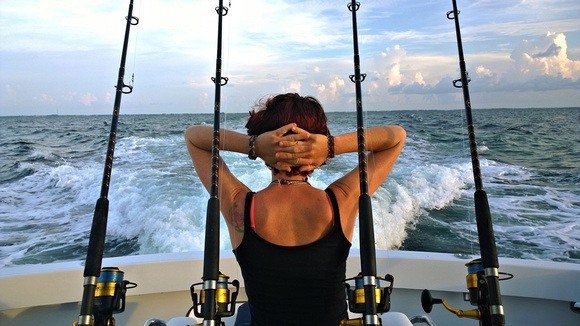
52,168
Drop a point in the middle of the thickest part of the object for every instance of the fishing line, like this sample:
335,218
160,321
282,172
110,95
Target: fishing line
135,47
470,216
228,41
225,99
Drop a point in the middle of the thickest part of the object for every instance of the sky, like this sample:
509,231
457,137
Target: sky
61,57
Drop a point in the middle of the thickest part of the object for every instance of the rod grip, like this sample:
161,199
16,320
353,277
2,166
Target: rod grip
212,240
485,230
367,236
97,238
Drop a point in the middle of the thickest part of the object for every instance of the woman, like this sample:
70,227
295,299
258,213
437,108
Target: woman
290,239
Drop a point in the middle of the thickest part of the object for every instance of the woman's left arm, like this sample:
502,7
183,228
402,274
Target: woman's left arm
199,144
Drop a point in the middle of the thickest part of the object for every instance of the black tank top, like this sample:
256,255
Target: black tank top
295,285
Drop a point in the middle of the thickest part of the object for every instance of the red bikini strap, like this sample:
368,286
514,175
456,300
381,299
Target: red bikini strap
252,220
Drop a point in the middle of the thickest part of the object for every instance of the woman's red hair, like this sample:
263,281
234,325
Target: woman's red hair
280,110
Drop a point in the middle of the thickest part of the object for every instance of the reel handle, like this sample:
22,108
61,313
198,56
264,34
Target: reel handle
427,301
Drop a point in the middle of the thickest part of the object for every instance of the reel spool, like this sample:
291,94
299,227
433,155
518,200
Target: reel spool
110,295
225,299
356,293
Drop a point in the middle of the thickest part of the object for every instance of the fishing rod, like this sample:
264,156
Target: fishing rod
483,274
493,310
367,297
112,285
215,301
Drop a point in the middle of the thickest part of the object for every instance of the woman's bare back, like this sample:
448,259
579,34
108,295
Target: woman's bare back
292,215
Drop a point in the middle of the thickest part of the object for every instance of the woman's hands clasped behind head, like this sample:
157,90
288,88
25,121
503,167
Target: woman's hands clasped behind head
292,146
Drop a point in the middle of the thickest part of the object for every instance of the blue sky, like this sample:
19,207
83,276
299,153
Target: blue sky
63,57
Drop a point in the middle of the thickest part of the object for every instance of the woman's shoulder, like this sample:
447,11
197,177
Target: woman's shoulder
343,191
291,196
347,202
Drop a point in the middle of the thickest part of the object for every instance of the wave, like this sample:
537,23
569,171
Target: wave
157,203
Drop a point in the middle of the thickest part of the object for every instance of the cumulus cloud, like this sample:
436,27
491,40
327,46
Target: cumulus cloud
546,55
419,78
109,98
273,46
397,72
204,99
44,99
388,66
485,76
87,99
483,71
540,64
293,87
331,91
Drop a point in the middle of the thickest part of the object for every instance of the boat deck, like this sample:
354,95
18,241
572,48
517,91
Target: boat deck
539,294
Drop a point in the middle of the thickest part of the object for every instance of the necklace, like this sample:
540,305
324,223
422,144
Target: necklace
289,182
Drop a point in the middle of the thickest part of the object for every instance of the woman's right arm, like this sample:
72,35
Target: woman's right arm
384,145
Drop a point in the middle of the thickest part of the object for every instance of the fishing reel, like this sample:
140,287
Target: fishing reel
110,296
478,294
356,295
225,299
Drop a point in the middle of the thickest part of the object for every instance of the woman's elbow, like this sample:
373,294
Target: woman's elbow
402,134
189,131
397,135
193,132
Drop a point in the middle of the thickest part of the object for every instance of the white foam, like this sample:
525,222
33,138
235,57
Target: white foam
156,198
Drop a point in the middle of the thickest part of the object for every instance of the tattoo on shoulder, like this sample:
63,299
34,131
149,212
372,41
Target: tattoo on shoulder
236,218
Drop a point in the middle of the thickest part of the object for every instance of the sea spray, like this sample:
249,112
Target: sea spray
52,166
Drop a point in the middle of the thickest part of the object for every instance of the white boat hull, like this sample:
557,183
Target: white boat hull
539,294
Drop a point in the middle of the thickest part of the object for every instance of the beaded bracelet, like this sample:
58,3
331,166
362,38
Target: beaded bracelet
252,152
330,146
